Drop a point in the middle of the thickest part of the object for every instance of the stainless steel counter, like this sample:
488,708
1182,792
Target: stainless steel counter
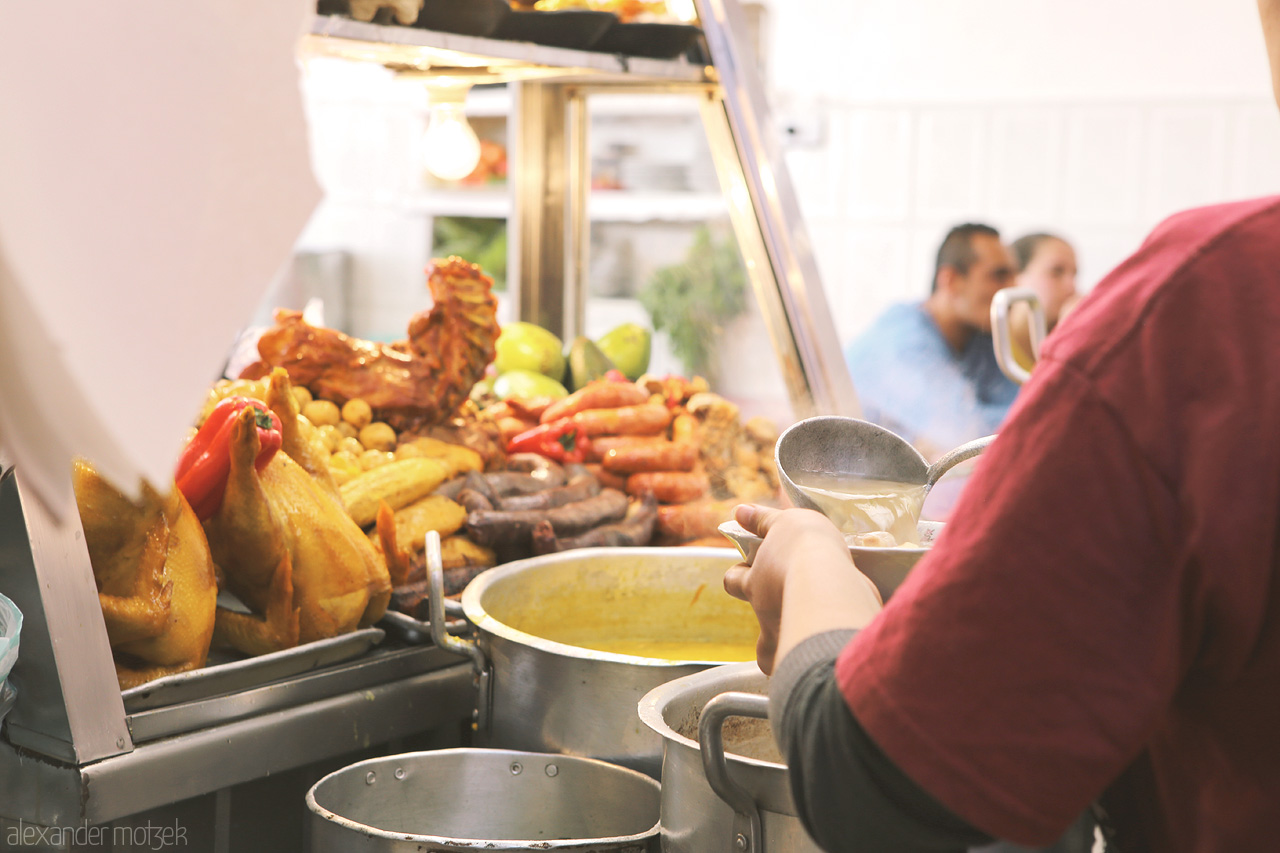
41,792
76,752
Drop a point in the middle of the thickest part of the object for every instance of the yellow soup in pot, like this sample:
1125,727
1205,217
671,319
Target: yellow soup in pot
655,613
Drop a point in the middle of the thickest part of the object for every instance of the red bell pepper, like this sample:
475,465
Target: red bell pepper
205,463
560,440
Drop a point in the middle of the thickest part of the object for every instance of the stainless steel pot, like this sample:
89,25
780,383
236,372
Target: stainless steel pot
542,689
463,799
732,794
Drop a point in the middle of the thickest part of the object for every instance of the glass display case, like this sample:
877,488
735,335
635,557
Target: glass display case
77,751
610,170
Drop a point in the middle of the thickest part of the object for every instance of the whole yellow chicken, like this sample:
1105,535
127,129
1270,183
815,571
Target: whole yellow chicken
285,544
154,574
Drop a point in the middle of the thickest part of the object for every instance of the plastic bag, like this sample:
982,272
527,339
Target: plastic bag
10,627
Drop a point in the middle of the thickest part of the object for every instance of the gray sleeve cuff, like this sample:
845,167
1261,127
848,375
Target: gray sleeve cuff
812,651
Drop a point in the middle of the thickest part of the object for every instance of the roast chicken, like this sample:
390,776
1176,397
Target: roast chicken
409,384
285,544
155,577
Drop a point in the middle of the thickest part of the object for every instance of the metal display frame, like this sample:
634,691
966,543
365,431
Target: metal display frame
73,754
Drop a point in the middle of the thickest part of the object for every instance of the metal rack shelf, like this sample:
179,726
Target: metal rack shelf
602,205
490,60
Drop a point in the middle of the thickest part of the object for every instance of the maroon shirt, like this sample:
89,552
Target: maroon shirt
1103,609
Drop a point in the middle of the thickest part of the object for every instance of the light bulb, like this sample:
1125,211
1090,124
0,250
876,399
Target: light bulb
683,10
450,149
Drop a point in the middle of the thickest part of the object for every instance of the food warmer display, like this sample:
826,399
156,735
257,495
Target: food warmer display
227,751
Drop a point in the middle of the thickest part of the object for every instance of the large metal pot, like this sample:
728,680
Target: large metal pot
544,688
732,793
464,799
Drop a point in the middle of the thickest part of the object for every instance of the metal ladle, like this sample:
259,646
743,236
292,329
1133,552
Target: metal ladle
835,446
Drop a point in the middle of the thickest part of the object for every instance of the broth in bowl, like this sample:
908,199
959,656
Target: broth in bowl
870,513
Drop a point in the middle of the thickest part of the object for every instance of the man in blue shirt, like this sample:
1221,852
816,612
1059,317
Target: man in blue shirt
928,370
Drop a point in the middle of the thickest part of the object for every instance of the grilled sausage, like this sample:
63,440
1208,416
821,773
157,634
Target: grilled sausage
471,500
504,483
608,478
635,529
602,394
499,527
696,520
670,487
583,486
645,419
450,488
656,456
536,465
601,445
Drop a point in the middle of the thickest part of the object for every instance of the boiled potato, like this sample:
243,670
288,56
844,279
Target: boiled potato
378,436
357,413
322,413
331,436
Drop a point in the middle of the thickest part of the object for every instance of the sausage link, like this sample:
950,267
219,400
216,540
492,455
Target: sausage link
512,528
646,419
576,489
601,394
602,444
658,456
670,487
634,530
694,520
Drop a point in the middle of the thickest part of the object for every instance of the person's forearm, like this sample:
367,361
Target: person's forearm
850,796
824,593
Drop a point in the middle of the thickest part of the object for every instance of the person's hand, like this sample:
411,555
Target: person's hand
795,540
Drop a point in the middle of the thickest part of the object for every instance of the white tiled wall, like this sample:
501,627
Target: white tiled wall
878,199
1094,119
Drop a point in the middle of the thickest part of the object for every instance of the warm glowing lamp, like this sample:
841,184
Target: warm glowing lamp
683,10
450,148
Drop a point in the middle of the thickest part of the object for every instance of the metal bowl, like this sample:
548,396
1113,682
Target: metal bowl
887,567
489,799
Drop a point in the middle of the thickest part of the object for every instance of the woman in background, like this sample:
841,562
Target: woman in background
1046,267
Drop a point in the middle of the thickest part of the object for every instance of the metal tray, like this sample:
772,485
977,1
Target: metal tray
571,28
654,40
410,630
229,674
468,18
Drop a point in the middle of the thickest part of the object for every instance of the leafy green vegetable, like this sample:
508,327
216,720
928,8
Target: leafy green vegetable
693,300
481,241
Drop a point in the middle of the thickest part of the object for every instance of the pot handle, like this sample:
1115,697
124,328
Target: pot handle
1001,336
748,837
445,640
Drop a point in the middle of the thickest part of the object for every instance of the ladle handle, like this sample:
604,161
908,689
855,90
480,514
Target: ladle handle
968,450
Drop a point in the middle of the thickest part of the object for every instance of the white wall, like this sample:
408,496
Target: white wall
1095,119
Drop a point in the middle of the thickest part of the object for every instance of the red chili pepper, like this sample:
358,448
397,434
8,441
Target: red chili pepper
205,463
561,440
